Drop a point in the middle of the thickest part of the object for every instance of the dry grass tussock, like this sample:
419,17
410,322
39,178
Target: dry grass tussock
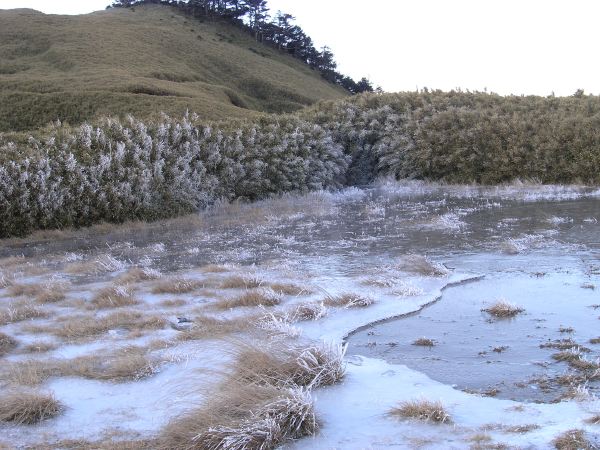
241,282
241,416
173,303
422,409
39,347
85,326
291,289
251,298
20,311
424,342
595,341
98,265
572,440
308,311
114,297
565,344
138,274
49,292
28,407
7,344
503,309
282,364
214,268
421,265
594,420
126,364
177,286
348,300
206,327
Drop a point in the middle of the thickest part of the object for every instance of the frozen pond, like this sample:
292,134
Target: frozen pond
395,243
508,358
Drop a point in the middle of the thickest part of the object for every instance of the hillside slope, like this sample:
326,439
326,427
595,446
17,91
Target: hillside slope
142,61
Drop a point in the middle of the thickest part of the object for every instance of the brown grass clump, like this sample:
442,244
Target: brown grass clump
129,363
594,420
28,407
595,341
205,327
282,364
84,326
565,344
567,356
422,409
29,372
114,297
424,342
100,264
520,429
348,301
503,309
51,292
238,282
244,417
291,289
7,344
17,312
137,274
176,286
309,311
251,298
572,440
39,347
214,268
421,265
173,303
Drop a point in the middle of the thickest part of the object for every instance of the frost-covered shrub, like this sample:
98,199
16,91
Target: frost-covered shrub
120,171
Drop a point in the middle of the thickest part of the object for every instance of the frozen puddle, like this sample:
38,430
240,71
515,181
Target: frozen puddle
512,358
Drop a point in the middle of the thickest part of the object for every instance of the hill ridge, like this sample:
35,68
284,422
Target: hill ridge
143,61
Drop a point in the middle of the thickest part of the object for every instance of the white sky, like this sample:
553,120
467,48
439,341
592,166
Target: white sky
506,46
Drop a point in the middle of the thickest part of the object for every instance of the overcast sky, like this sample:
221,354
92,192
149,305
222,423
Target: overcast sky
506,46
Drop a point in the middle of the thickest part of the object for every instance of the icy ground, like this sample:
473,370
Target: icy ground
388,243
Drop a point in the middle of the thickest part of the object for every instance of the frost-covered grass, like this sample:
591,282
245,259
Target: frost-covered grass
309,311
284,364
7,343
51,292
572,440
241,282
114,297
422,409
291,289
424,342
176,286
348,300
422,265
28,407
243,416
77,327
251,298
503,309
20,311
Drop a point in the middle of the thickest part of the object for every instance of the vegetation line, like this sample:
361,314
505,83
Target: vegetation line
118,171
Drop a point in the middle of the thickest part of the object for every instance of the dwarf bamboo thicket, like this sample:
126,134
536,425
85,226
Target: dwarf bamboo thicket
119,171
122,170
461,137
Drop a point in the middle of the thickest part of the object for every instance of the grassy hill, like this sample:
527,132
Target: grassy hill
142,61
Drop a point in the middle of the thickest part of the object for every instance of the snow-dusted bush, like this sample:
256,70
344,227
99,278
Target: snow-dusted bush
119,171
